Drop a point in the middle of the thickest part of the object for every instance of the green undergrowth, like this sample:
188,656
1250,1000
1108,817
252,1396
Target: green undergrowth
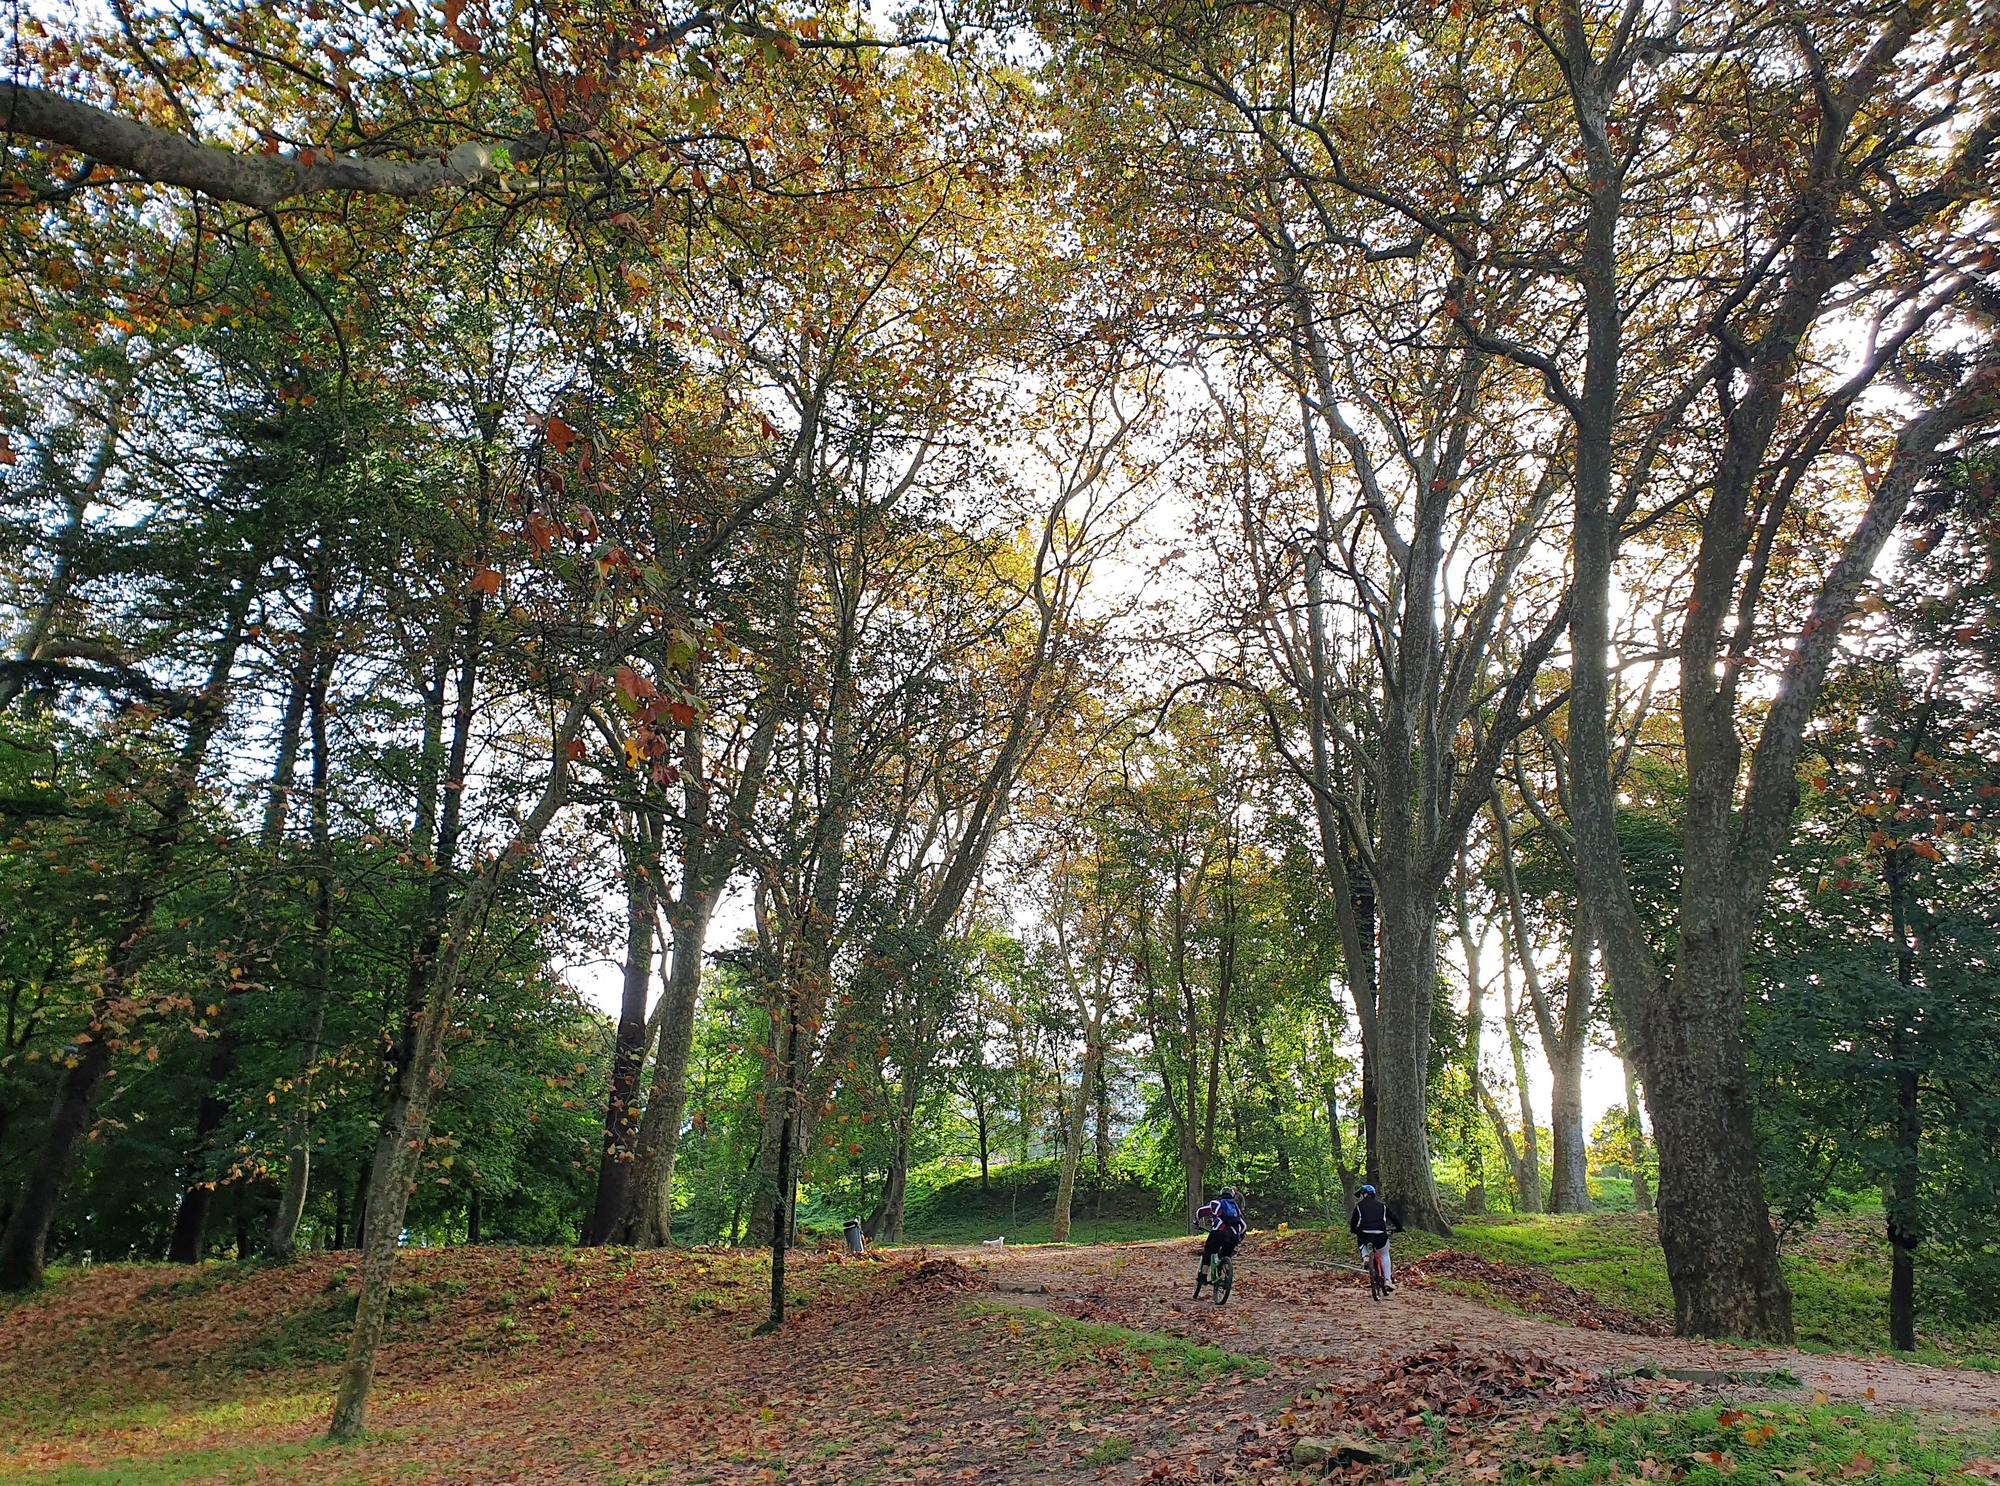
1781,1444
1059,1342
1839,1274
951,1204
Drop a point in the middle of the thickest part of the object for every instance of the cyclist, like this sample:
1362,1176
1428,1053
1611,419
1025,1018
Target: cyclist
1371,1223
1223,1217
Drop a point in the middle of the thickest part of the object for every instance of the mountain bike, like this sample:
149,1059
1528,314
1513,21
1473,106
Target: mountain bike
1378,1284
1221,1276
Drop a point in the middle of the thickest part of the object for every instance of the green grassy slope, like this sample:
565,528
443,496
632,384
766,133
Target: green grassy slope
1839,1275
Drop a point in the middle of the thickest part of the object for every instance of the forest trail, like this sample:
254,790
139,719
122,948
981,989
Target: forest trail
1316,1315
647,1368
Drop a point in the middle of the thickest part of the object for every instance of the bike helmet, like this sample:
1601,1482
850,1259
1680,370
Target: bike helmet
1230,1193
1367,1189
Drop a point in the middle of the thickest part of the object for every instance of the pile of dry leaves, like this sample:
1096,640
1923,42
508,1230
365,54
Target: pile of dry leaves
1532,1288
1447,1394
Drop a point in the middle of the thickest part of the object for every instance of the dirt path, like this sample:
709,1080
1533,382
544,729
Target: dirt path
1322,1318
596,1368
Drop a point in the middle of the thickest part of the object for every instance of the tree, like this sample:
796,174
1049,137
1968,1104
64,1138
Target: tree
1870,973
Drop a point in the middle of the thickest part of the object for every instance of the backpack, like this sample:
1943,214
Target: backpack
1226,1211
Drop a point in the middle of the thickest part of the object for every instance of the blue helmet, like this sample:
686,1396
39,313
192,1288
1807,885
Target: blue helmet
1367,1189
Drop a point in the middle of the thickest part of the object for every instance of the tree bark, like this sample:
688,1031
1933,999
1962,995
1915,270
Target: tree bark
1722,1255
257,181
1059,1224
1528,1166
648,1216
1403,1037
1569,1187
621,1115
1904,1213
781,1215
1103,1134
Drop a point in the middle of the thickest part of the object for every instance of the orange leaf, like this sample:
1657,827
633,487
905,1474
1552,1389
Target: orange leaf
486,581
560,435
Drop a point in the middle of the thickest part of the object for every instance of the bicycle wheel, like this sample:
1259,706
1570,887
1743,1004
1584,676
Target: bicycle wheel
1377,1287
1225,1277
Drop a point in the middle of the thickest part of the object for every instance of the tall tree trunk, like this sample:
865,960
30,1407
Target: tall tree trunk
1086,1084
980,1120
621,1115
298,1159
1472,1147
1687,1036
1403,1038
1635,1137
359,1204
25,1238
896,1189
1569,1189
1528,1168
1521,1168
1722,1255
781,1216
648,1218
1366,991
399,1147
1904,1214
1194,1165
1902,1227
1103,1132
1569,1186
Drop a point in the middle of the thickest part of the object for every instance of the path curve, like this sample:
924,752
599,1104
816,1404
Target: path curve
1322,1317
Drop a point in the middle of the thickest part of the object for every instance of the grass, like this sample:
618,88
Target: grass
223,1464
1060,1342
319,1333
1780,1444
1839,1274
1113,1449
974,1228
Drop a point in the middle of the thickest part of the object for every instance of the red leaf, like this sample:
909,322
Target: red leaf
562,438
632,684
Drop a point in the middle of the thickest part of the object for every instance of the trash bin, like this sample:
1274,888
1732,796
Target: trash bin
855,1242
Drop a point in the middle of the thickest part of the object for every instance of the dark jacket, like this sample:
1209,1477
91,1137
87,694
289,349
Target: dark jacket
1371,1219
